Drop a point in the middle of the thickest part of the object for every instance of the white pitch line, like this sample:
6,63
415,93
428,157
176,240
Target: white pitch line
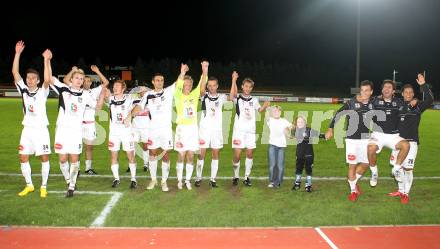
100,219
318,178
327,239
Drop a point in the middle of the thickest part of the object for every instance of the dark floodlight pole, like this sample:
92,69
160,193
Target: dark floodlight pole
358,45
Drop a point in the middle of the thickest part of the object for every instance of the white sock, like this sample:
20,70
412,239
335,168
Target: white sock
309,181
199,169
64,167
401,186
146,157
408,181
248,167
358,176
373,170
26,171
153,169
214,169
179,169
88,164
45,167
165,170
189,171
236,168
74,168
352,185
115,171
132,167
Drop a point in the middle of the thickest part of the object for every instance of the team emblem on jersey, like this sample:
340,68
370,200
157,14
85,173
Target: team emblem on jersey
162,98
357,105
217,104
394,103
251,103
381,102
370,106
80,99
123,107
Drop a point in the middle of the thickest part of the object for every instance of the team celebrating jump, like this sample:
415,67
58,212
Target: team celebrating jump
373,122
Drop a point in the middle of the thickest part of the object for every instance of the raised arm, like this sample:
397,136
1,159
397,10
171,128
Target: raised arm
204,77
101,76
47,55
427,96
19,47
263,108
183,70
103,97
68,77
234,89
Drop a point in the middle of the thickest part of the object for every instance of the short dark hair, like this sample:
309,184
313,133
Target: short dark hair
33,71
407,86
367,83
387,81
157,74
212,78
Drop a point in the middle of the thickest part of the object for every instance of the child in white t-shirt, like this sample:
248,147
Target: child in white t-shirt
278,129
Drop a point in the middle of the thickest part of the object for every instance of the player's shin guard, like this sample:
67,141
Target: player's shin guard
45,167
74,168
26,171
214,169
115,171
153,169
248,165
165,170
199,169
179,169
189,170
236,168
407,181
64,167
132,167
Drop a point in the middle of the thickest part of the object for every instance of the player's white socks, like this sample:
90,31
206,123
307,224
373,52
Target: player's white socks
236,168
248,167
132,167
26,171
64,167
199,169
165,170
74,168
352,185
309,181
374,170
401,185
407,181
189,171
153,169
146,157
45,167
88,164
358,176
115,171
214,169
179,169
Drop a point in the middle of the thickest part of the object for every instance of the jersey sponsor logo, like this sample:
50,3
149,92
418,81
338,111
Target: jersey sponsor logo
58,146
237,141
73,107
351,157
201,142
20,147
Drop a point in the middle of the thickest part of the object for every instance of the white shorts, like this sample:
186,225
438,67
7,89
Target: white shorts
210,139
241,140
160,138
186,138
140,135
89,131
388,140
410,158
124,136
68,141
34,140
356,151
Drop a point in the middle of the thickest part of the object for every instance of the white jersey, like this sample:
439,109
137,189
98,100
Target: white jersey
89,114
245,112
277,128
119,110
212,111
159,105
34,105
72,105
142,119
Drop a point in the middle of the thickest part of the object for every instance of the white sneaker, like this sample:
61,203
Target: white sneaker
164,187
179,185
188,185
373,180
270,185
152,184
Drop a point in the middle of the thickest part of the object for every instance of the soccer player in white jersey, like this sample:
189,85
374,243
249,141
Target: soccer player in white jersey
141,123
158,104
68,136
34,136
88,127
186,141
120,106
210,128
243,135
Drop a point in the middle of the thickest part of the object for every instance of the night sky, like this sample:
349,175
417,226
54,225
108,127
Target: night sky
395,34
